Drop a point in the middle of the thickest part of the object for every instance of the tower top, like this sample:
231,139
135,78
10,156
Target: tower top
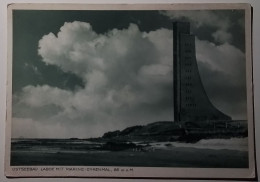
183,27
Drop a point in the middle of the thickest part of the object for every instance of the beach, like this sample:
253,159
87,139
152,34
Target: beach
158,154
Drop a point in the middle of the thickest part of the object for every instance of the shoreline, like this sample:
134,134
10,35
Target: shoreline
170,157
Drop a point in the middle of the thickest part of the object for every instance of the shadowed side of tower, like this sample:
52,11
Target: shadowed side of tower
191,102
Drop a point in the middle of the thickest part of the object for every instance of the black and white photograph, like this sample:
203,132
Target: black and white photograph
151,91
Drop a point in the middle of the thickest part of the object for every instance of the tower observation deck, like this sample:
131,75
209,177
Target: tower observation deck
191,102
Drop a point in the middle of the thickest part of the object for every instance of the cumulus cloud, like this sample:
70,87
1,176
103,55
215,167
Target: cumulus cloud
127,77
224,58
206,18
222,36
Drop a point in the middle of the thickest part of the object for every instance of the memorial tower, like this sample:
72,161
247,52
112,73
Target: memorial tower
191,102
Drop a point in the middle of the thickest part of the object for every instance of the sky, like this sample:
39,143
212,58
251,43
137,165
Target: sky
84,73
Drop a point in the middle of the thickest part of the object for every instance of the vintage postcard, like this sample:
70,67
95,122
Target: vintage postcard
134,91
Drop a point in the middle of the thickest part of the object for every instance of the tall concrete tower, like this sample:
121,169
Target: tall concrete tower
191,102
